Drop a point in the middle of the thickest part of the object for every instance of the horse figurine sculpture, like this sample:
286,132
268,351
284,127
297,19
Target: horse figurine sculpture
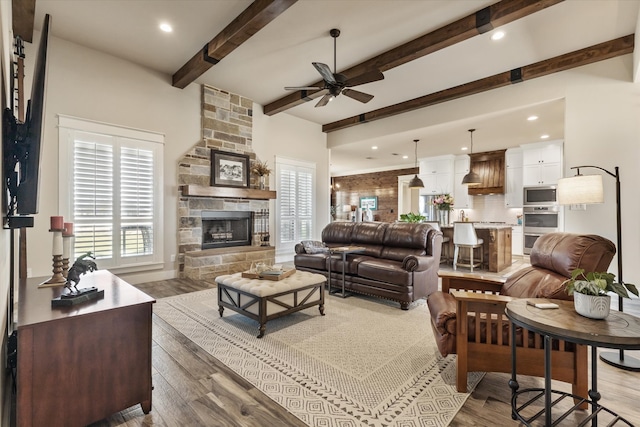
82,265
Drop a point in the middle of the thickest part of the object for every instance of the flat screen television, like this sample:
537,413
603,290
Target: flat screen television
22,142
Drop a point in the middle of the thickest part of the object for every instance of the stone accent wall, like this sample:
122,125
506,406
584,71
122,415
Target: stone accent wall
226,125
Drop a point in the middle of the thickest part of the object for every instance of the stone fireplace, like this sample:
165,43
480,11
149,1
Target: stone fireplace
207,250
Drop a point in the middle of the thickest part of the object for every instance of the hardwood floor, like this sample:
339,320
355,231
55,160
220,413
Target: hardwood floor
193,389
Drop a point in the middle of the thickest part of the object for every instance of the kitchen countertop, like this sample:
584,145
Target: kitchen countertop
486,225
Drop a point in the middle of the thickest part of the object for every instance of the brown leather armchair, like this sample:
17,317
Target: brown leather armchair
468,319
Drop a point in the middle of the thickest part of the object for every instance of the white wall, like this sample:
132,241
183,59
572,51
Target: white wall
92,85
601,127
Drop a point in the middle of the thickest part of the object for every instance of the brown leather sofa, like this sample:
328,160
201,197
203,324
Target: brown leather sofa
467,316
400,260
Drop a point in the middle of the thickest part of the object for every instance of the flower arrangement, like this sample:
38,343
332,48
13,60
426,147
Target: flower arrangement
594,283
260,168
443,202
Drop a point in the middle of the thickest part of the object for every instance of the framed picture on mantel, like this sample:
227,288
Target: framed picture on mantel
229,169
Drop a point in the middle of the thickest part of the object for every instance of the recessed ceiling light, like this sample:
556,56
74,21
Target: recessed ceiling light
497,35
375,147
405,157
166,27
532,118
369,158
545,136
464,148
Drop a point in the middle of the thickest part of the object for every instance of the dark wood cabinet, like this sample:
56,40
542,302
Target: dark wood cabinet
80,364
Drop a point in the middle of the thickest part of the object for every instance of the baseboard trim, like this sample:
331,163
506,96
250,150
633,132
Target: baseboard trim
148,276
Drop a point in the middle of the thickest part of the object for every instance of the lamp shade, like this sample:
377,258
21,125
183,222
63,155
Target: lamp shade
416,182
580,189
471,179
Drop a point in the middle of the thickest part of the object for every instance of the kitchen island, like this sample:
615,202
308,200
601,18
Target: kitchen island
496,244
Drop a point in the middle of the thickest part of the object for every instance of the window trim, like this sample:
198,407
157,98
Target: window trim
68,124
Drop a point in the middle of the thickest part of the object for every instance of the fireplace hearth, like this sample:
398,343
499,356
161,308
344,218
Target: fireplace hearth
222,229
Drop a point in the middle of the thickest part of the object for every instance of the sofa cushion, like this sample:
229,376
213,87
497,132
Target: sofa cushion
385,270
337,233
314,247
369,235
403,238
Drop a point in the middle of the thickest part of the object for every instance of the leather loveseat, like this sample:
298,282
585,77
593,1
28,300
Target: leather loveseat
400,260
467,316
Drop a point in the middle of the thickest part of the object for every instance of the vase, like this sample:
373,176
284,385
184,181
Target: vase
443,217
592,306
263,180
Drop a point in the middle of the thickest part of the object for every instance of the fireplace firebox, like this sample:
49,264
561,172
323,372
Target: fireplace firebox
221,229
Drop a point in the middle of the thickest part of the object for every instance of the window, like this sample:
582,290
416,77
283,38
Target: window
295,182
114,195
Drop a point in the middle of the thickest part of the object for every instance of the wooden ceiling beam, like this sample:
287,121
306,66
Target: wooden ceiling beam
484,20
250,21
600,52
23,15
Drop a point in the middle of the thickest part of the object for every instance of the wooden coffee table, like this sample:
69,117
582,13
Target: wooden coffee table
619,331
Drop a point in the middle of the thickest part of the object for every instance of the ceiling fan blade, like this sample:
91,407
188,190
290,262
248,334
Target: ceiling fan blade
303,88
368,77
358,96
325,72
324,100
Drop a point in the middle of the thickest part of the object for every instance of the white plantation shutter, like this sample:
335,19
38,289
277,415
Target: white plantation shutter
115,197
295,204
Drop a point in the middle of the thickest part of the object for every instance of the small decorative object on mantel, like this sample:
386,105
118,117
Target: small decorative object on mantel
67,235
262,170
589,292
83,264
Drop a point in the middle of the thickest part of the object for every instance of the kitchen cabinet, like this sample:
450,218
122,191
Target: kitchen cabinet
514,178
541,163
462,199
437,175
517,240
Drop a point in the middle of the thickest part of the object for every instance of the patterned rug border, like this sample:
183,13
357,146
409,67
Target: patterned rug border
331,406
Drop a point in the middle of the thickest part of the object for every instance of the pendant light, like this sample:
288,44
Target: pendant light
471,179
415,181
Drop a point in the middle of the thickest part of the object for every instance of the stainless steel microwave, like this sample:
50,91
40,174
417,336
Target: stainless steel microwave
540,196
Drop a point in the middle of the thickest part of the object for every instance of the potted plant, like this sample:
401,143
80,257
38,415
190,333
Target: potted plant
590,290
412,217
262,170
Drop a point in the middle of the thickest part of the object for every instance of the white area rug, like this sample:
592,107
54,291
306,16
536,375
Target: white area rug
365,363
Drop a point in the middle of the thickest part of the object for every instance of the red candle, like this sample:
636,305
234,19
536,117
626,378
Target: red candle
57,223
68,229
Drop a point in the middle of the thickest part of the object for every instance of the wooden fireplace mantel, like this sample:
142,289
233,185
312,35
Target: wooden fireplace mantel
227,192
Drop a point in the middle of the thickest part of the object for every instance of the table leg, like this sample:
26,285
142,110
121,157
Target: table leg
513,382
547,380
329,278
594,395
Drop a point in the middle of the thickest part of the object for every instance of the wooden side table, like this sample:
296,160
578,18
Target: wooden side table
344,251
619,331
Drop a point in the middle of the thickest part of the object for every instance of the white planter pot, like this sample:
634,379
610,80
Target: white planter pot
592,306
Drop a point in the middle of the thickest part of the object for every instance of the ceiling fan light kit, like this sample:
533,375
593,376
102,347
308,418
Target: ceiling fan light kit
471,179
336,83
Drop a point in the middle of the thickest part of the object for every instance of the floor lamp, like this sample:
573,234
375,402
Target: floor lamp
587,189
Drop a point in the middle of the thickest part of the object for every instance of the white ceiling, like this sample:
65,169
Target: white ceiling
281,54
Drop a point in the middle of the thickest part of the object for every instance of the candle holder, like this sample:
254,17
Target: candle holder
66,251
57,278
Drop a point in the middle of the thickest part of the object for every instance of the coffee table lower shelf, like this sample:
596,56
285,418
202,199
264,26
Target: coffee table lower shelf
531,396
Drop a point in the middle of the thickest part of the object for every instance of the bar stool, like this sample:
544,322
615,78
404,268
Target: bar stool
444,255
464,236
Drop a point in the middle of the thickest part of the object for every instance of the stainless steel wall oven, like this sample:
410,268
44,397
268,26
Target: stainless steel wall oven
539,220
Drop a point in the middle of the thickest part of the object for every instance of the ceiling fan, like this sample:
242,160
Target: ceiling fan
337,83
